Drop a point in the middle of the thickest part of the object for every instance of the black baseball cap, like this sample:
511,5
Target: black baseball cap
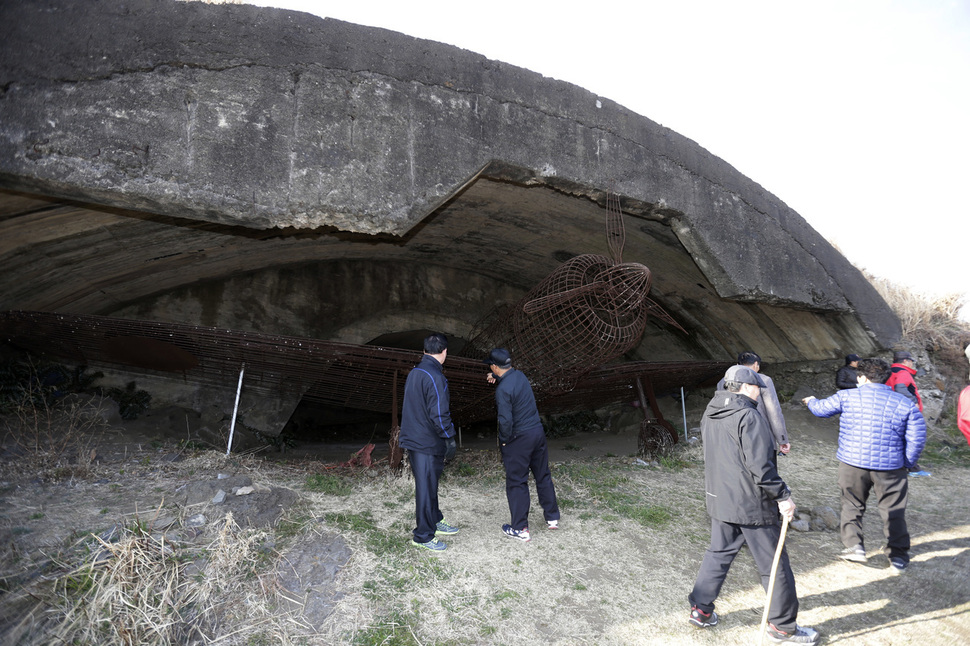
499,357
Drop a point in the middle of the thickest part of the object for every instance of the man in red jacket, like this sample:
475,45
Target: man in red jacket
963,407
901,379
963,413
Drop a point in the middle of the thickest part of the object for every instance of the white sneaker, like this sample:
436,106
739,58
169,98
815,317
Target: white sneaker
521,534
553,524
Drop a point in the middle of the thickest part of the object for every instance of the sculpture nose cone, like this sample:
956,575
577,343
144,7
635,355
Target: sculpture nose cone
629,283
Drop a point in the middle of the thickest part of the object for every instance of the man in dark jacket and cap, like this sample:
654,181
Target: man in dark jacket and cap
745,495
428,435
523,443
845,378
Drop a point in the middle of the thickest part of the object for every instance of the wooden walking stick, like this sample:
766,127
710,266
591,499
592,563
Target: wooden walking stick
771,579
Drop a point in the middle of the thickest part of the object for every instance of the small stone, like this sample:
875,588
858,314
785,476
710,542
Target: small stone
219,497
243,491
827,517
800,525
163,522
195,521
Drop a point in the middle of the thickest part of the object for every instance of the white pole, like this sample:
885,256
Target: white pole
232,425
683,407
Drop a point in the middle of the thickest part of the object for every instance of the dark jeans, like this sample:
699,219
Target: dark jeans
525,452
892,492
427,471
762,540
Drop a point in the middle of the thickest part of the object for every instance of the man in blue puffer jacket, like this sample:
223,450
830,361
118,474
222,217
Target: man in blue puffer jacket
881,433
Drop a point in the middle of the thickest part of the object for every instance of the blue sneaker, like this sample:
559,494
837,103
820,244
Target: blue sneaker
445,529
521,534
434,545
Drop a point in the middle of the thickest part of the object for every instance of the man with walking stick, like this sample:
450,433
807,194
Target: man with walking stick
745,495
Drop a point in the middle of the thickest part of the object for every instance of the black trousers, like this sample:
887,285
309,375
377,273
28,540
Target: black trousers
762,540
892,493
526,452
427,470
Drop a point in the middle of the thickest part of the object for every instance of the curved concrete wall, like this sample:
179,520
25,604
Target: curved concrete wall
263,118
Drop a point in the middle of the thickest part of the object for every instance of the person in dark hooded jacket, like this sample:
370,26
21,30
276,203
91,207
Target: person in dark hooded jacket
845,377
744,497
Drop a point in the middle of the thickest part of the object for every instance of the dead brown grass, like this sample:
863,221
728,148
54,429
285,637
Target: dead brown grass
928,322
605,578
58,440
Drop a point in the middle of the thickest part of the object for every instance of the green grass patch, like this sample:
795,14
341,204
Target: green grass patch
607,485
396,628
502,595
328,484
464,470
376,539
673,462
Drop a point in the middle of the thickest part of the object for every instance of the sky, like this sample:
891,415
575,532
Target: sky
855,113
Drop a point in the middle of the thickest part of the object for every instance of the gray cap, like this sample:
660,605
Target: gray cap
901,355
744,375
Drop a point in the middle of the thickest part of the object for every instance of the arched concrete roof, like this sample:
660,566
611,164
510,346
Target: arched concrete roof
257,168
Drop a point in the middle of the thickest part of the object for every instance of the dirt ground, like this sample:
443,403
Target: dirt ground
604,578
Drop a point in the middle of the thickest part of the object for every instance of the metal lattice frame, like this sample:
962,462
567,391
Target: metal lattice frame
589,311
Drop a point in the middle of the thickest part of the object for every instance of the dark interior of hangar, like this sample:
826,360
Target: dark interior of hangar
463,262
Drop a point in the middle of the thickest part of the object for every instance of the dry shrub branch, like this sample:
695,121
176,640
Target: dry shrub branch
927,321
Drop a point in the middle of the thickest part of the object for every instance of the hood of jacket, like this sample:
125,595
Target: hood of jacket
725,404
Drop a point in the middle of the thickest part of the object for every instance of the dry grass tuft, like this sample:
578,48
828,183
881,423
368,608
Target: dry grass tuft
928,322
136,587
57,439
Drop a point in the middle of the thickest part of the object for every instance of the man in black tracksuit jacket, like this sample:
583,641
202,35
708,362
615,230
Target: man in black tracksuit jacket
428,435
744,497
523,443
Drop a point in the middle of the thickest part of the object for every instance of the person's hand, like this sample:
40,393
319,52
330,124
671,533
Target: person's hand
451,448
785,448
805,400
787,508
490,378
